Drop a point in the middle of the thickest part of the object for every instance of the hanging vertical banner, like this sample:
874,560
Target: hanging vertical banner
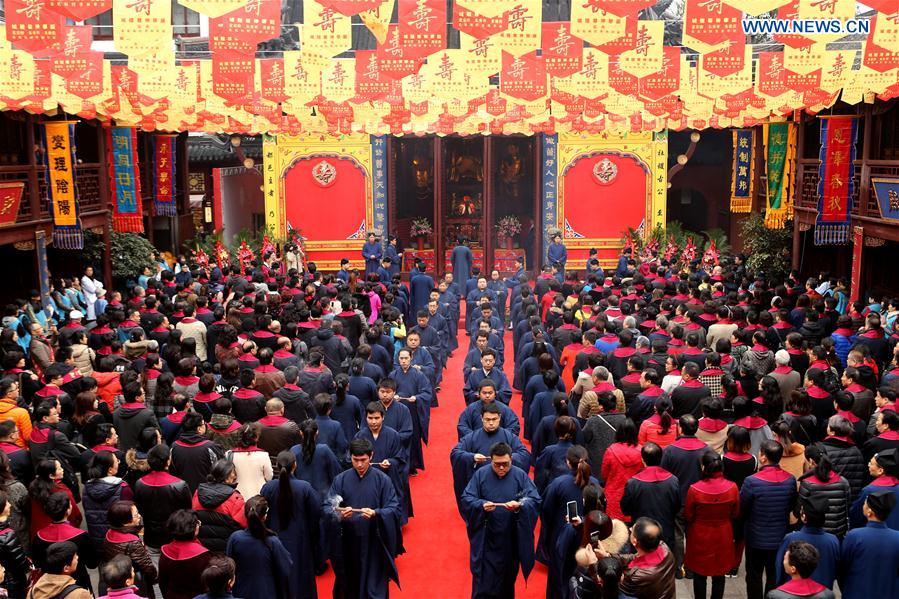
10,197
744,171
780,151
379,184
164,181
550,177
43,270
127,215
837,155
61,189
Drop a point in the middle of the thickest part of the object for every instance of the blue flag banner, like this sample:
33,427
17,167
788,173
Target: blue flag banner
127,215
744,171
550,180
886,189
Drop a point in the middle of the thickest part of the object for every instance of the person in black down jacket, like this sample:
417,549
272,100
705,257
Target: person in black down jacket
158,495
766,501
316,378
822,481
297,403
219,506
332,348
247,404
103,488
132,416
193,454
653,493
846,458
12,556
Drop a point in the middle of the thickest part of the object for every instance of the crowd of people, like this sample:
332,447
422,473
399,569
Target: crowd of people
233,431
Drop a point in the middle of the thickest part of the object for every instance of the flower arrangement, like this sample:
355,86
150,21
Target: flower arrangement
421,227
508,226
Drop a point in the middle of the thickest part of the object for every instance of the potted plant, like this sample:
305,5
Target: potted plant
506,228
420,230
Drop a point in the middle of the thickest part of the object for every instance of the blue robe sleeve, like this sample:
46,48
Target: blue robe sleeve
509,420
462,463
282,566
465,424
521,457
526,521
503,389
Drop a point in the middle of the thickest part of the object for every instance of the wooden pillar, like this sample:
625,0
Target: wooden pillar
864,188
487,207
107,255
534,262
34,188
438,200
797,191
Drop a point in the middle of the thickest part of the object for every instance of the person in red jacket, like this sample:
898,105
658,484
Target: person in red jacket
620,462
711,510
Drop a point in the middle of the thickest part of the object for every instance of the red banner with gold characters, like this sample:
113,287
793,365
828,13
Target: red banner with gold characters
349,7
243,28
477,25
523,77
62,191
562,52
10,196
164,181
835,179
32,27
79,10
422,27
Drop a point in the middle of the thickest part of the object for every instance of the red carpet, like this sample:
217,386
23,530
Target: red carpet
436,560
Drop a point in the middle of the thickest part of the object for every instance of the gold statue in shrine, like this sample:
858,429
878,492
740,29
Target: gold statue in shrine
422,170
511,171
424,178
463,166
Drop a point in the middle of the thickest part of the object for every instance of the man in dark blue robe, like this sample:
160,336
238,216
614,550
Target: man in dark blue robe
397,416
500,507
473,449
487,370
344,273
420,285
392,252
364,502
414,390
371,253
499,289
391,455
470,418
557,254
438,319
474,299
429,339
461,258
870,555
482,342
384,274
494,340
